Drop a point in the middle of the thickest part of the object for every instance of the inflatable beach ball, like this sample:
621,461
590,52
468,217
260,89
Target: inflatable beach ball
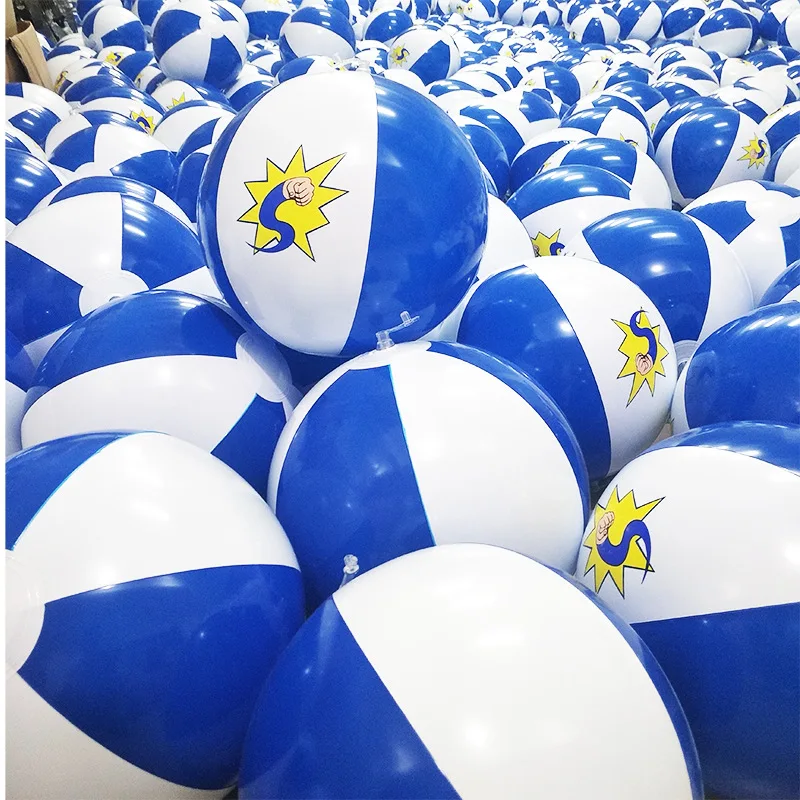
621,159
559,203
170,362
147,11
595,25
429,54
131,103
201,41
709,148
389,425
784,166
784,288
149,591
726,30
312,31
639,19
469,660
77,254
728,637
592,340
28,181
108,25
681,264
760,220
19,374
266,17
743,371
339,228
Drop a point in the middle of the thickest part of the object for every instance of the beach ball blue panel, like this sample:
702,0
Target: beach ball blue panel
350,711
339,228
422,399
741,372
150,591
165,361
728,638
28,181
75,255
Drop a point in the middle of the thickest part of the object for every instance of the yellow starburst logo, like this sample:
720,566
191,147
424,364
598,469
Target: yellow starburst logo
176,101
288,204
399,54
544,245
60,81
755,153
147,124
113,58
643,351
619,539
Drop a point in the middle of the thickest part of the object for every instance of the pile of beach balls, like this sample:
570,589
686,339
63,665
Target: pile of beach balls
403,400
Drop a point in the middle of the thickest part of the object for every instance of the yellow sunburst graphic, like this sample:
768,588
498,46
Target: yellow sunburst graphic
288,204
643,352
399,54
755,153
619,540
62,76
147,124
176,101
113,58
544,245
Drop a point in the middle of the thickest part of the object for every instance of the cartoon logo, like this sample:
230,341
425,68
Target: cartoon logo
399,55
643,351
113,58
176,101
544,245
147,124
755,153
60,80
629,141
288,204
619,539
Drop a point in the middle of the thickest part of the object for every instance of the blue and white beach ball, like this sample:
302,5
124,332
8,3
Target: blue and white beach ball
339,228
784,166
109,183
77,254
728,636
782,126
19,374
28,181
422,400
83,7
307,65
314,31
118,150
639,19
682,265
39,96
181,121
131,103
83,120
612,122
727,31
784,288
596,25
170,362
533,156
437,655
682,18
431,55
760,221
147,11
709,148
196,40
31,118
743,371
592,340
171,93
108,25
266,17
621,159
386,25
559,203
149,592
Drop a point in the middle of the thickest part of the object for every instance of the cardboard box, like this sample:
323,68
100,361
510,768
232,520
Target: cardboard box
24,56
